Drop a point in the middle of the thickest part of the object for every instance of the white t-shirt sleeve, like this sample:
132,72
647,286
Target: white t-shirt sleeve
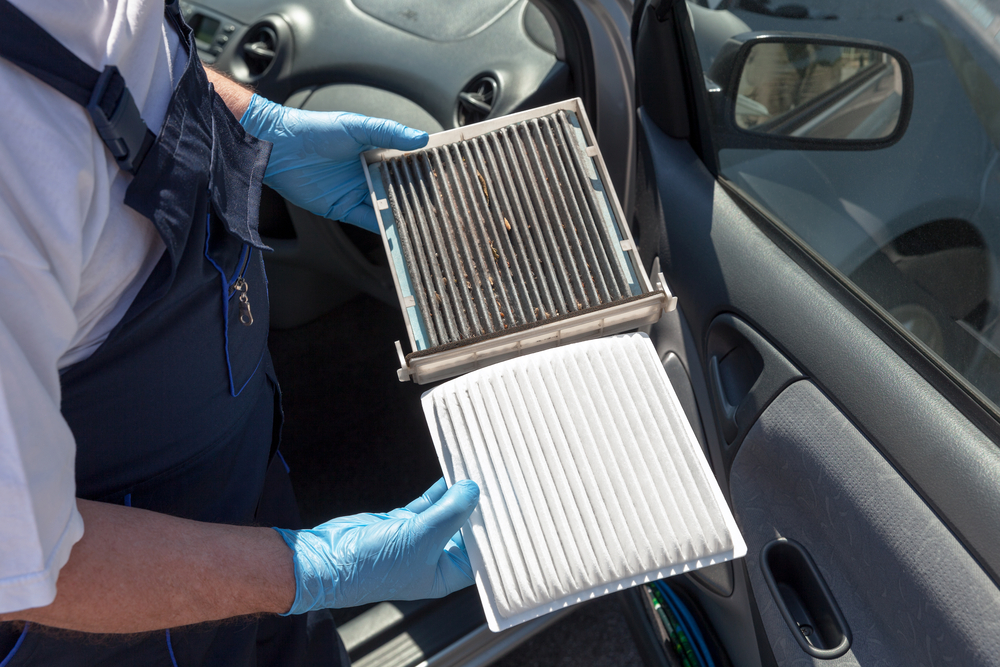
72,258
38,514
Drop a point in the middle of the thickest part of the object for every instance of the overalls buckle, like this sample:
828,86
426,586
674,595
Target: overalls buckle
117,120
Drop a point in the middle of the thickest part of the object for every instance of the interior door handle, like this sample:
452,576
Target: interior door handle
745,373
804,599
726,411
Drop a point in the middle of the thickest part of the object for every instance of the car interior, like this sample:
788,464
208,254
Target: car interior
860,464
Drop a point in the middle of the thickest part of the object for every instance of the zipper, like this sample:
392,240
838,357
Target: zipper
240,286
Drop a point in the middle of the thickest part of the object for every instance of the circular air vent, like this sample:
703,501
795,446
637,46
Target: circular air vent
475,102
259,47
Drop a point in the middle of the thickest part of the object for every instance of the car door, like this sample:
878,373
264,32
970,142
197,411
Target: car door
844,397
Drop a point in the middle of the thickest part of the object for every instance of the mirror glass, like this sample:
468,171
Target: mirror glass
819,91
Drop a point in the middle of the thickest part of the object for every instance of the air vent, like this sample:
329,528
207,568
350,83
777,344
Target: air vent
475,103
259,48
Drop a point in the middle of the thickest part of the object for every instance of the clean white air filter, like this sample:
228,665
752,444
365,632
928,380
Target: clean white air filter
591,477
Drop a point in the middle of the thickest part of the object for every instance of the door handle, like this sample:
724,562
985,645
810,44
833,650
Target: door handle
745,373
804,599
726,410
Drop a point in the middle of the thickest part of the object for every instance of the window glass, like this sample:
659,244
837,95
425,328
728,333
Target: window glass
914,225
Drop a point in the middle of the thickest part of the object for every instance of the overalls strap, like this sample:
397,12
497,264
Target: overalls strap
104,94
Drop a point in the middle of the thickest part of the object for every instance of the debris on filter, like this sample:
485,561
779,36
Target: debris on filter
482,182
559,254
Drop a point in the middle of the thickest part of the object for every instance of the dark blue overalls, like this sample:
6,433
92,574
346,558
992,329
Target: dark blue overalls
178,411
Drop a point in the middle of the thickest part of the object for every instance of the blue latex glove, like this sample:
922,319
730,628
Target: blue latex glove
314,163
408,554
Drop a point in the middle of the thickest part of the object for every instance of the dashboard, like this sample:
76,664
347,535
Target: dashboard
441,64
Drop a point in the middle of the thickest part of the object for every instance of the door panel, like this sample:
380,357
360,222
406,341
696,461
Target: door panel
897,430
910,592
717,259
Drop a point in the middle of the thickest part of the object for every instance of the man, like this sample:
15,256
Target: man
138,408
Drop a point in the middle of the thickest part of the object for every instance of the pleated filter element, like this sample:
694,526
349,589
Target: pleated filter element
591,477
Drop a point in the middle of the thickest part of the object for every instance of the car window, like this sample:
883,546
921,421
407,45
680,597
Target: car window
913,225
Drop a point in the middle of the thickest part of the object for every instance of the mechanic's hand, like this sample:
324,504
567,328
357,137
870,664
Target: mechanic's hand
408,554
314,163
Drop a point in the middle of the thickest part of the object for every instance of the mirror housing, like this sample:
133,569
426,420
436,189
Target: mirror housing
724,79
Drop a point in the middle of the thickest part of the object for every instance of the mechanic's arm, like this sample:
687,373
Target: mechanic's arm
135,571
235,95
314,162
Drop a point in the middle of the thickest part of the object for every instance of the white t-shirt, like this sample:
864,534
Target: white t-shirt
72,258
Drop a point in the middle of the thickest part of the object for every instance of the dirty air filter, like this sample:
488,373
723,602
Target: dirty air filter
505,237
591,478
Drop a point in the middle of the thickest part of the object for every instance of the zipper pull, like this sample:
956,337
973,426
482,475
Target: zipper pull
246,318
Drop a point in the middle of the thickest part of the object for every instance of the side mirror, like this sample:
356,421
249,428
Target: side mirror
809,92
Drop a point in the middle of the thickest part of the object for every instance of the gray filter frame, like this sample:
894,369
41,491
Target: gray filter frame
506,237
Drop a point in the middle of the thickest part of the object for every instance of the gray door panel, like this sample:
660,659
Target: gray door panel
919,481
717,259
910,591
